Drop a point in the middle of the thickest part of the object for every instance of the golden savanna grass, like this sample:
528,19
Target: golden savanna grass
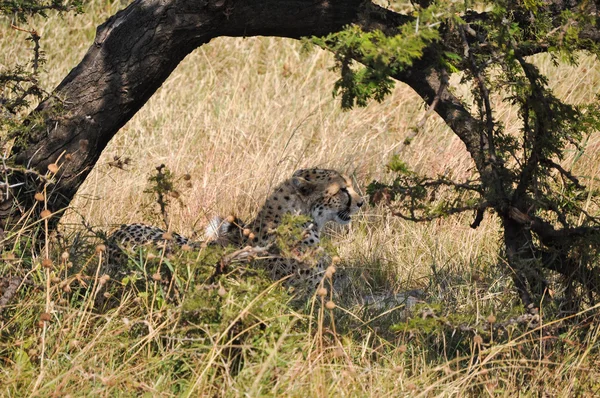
239,116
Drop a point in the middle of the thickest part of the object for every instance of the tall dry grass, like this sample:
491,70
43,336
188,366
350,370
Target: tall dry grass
240,115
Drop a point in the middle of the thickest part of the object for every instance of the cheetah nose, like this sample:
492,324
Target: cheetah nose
359,204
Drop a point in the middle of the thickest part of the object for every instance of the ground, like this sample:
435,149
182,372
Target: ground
238,115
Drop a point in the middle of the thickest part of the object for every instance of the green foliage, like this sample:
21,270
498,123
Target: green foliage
384,56
19,10
515,173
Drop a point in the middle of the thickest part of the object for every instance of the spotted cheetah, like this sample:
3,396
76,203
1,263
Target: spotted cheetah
318,194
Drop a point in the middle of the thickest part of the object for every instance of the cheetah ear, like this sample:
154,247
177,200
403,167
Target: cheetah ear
303,186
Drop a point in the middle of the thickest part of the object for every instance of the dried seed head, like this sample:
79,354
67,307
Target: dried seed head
39,196
167,236
175,194
68,157
251,236
151,256
187,177
74,343
55,279
329,271
186,248
66,288
321,292
100,248
64,256
53,168
330,305
491,319
338,352
103,279
230,219
477,339
45,213
45,317
47,263
402,348
336,260
188,184
246,232
156,276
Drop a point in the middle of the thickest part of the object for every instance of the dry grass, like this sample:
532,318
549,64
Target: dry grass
240,115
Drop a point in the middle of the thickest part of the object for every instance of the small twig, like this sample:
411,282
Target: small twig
565,173
430,109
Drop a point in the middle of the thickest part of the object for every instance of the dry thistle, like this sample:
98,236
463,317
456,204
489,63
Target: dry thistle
45,317
100,248
230,219
103,279
39,196
246,232
330,305
330,271
167,236
47,263
64,256
491,319
156,276
45,214
186,248
322,292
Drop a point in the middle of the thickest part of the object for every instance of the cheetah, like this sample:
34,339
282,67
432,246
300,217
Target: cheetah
320,195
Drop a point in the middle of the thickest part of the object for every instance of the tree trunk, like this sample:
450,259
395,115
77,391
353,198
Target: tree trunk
132,55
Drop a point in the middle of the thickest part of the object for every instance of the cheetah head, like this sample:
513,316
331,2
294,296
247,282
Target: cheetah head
329,194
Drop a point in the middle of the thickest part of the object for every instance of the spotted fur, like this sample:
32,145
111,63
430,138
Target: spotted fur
321,195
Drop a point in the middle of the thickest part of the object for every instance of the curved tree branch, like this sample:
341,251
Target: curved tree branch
137,49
